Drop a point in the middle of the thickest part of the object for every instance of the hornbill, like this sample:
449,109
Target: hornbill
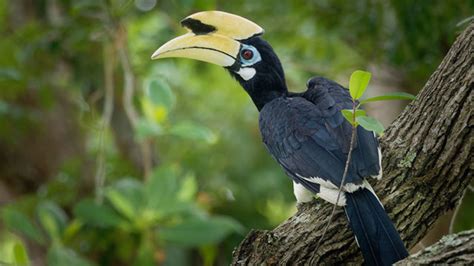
304,132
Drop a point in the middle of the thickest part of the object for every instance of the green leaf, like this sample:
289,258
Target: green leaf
160,94
127,197
19,222
209,254
358,83
146,129
121,203
94,214
72,229
188,189
154,113
348,115
193,131
145,254
371,124
60,256
20,255
198,232
162,193
52,218
390,96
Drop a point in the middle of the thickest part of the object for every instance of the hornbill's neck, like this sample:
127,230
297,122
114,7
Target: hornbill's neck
263,91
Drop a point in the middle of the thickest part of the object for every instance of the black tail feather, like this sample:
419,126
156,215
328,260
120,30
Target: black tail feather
376,236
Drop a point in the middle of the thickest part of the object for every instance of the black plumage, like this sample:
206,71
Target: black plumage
308,136
376,236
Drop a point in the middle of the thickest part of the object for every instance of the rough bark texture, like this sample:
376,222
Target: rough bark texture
427,166
451,249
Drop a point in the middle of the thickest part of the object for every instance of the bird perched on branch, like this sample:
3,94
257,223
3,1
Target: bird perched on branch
304,132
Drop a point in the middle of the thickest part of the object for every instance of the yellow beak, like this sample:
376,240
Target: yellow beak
213,37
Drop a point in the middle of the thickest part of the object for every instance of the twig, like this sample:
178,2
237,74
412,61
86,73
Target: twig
129,80
455,213
106,117
109,64
344,175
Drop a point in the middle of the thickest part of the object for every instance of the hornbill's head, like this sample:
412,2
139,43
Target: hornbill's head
232,42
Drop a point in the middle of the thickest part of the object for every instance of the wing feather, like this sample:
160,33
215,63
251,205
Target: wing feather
307,134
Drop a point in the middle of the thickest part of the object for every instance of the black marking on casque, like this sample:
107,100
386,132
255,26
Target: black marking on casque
197,27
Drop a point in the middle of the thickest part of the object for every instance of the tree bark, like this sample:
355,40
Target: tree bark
451,249
427,166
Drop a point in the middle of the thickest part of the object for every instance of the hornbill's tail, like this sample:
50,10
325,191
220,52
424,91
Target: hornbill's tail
376,236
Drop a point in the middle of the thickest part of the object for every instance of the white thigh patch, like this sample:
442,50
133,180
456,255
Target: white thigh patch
350,187
301,193
318,180
330,195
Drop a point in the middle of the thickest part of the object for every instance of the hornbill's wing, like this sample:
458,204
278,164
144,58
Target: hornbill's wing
310,138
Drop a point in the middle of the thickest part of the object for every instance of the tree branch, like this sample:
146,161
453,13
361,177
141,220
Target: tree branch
427,165
451,249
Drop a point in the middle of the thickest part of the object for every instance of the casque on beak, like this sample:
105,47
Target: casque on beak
213,37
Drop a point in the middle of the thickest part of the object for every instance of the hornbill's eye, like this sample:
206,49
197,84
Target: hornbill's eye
246,54
249,55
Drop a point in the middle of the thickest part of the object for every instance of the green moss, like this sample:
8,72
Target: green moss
408,160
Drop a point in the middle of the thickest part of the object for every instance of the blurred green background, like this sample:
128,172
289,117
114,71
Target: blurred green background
109,158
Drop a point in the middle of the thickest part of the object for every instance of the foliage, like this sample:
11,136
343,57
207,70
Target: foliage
151,215
75,179
357,86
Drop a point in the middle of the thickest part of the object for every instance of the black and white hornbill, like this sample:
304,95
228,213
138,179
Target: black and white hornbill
305,132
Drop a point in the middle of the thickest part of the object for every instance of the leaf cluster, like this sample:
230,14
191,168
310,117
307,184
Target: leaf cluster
358,84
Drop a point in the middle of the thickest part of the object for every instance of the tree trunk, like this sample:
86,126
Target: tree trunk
451,249
427,166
